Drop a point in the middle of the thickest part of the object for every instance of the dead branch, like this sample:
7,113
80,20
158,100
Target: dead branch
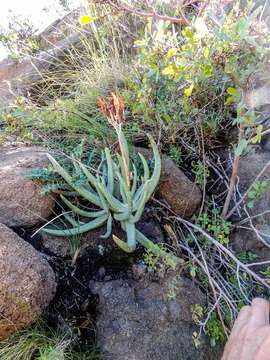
120,6
248,190
234,175
226,251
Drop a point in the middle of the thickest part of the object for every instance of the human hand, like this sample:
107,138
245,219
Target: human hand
250,336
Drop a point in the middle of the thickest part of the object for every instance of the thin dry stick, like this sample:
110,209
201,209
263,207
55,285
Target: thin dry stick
226,251
248,190
251,217
218,245
210,282
153,14
228,300
204,167
234,175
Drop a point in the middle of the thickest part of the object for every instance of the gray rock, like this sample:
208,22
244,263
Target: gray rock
21,201
247,239
27,283
17,77
137,320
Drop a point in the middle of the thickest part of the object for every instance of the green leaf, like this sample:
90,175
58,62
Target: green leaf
86,19
193,272
187,32
207,70
232,91
170,70
188,91
242,145
258,137
171,53
206,52
229,100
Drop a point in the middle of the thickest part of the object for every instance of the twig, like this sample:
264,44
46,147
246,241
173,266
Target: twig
178,20
49,222
251,217
234,175
226,251
248,190
210,282
204,168
188,250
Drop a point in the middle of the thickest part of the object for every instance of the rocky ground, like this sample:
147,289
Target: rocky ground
88,286
105,296
105,289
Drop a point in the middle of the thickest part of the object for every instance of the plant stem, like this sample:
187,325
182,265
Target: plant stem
124,158
234,175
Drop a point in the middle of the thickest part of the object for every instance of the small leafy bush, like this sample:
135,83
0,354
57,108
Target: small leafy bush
259,188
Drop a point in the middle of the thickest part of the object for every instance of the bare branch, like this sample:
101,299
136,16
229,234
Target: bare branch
234,175
183,20
248,190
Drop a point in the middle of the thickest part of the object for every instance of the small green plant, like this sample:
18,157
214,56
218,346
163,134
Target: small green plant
214,330
197,312
266,273
155,261
173,288
175,154
201,172
247,256
258,189
150,260
117,192
216,225
19,39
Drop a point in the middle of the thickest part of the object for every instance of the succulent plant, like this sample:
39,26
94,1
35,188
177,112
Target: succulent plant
116,190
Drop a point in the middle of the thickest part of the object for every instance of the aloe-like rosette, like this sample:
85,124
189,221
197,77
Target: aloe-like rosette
117,192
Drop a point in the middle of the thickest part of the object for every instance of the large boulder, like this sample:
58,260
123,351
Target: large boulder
137,320
21,201
27,283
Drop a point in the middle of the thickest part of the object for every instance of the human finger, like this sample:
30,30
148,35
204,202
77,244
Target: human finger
259,315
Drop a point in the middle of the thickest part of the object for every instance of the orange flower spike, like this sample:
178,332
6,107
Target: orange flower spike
121,110
103,107
118,106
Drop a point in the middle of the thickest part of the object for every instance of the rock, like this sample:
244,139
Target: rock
139,270
182,195
27,283
92,241
247,239
137,321
17,77
21,202
249,167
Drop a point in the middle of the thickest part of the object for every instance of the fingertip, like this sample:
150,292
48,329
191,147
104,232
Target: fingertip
260,302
